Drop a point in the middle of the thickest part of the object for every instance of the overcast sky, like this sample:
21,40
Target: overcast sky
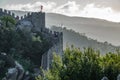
103,9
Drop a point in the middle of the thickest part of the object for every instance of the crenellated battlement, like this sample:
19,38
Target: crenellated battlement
7,12
32,16
0,9
36,18
53,33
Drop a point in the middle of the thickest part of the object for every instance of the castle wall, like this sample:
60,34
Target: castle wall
56,48
4,12
36,18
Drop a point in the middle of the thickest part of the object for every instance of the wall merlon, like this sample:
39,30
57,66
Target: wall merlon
25,16
1,10
13,15
21,17
28,14
50,32
61,33
5,11
9,13
17,17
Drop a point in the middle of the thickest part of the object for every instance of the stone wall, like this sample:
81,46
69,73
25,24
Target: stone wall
56,48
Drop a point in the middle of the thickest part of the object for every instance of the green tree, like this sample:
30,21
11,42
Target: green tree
8,21
111,65
83,65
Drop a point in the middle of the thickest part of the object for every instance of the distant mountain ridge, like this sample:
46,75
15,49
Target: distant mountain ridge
99,29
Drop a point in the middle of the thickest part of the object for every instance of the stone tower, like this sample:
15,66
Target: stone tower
37,19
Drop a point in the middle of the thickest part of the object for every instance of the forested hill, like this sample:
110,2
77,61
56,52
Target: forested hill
71,37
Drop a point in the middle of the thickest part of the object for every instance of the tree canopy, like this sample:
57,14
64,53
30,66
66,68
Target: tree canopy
86,65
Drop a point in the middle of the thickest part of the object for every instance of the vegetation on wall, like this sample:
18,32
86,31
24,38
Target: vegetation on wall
25,47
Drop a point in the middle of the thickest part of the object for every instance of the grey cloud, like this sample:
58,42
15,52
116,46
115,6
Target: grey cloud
114,4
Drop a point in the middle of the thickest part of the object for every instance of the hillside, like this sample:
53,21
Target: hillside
71,37
101,30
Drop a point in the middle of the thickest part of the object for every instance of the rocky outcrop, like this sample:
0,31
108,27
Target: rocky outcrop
11,74
104,78
20,70
15,73
15,70
118,77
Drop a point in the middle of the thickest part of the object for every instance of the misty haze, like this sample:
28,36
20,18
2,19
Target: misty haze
59,40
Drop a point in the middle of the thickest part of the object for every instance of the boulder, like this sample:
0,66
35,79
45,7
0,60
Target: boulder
20,71
104,78
11,74
15,73
118,77
26,76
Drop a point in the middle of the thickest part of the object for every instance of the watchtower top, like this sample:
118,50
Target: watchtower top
41,8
